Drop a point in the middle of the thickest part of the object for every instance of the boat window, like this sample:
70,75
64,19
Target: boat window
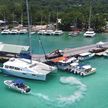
24,73
32,65
6,66
16,68
33,75
11,67
88,70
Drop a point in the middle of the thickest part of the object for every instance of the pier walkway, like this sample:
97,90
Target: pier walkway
72,51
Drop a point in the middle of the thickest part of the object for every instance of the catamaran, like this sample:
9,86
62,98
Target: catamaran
26,68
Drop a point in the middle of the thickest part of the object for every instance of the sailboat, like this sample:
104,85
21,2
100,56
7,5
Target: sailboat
89,32
27,68
57,32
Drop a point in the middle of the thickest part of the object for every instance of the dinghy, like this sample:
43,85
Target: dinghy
17,85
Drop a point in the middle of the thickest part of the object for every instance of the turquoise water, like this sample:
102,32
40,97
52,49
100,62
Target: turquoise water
61,89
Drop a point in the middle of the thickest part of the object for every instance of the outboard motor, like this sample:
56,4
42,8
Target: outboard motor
28,90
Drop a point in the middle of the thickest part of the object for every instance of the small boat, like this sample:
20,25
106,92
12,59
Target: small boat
14,32
85,56
97,50
105,53
5,32
58,32
17,85
48,32
54,54
64,62
41,32
23,31
89,33
74,33
84,70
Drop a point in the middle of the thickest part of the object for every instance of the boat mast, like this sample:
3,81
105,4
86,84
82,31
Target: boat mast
89,22
57,20
29,30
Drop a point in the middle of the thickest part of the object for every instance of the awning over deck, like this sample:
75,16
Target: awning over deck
10,48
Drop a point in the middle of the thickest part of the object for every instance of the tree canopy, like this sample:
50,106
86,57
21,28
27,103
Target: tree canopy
70,11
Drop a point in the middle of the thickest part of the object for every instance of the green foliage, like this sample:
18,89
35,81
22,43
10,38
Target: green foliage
70,11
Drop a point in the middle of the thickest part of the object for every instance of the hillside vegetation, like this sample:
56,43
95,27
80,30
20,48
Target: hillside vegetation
72,12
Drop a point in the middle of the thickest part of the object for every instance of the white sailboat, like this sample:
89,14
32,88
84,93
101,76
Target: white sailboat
89,32
57,31
26,68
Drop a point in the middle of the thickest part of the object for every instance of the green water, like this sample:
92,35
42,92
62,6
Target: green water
61,89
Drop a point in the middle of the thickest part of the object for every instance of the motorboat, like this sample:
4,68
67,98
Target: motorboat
17,85
97,50
73,66
64,62
41,32
14,32
54,54
89,33
26,68
5,32
74,33
85,56
105,53
48,32
58,32
23,31
85,70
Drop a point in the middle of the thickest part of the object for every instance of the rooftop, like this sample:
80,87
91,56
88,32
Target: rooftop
10,48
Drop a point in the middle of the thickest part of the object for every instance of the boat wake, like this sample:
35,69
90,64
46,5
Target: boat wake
40,95
65,100
77,95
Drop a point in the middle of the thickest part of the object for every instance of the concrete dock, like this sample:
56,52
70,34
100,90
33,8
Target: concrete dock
66,51
72,51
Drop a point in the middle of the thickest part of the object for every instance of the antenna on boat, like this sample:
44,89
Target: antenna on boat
57,20
40,42
89,22
29,30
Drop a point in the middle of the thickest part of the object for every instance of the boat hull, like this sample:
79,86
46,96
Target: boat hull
24,74
11,85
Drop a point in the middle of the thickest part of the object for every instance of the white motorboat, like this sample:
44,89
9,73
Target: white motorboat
64,62
85,70
58,32
85,56
73,66
17,85
14,32
105,53
74,33
89,33
23,31
48,32
41,32
5,32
